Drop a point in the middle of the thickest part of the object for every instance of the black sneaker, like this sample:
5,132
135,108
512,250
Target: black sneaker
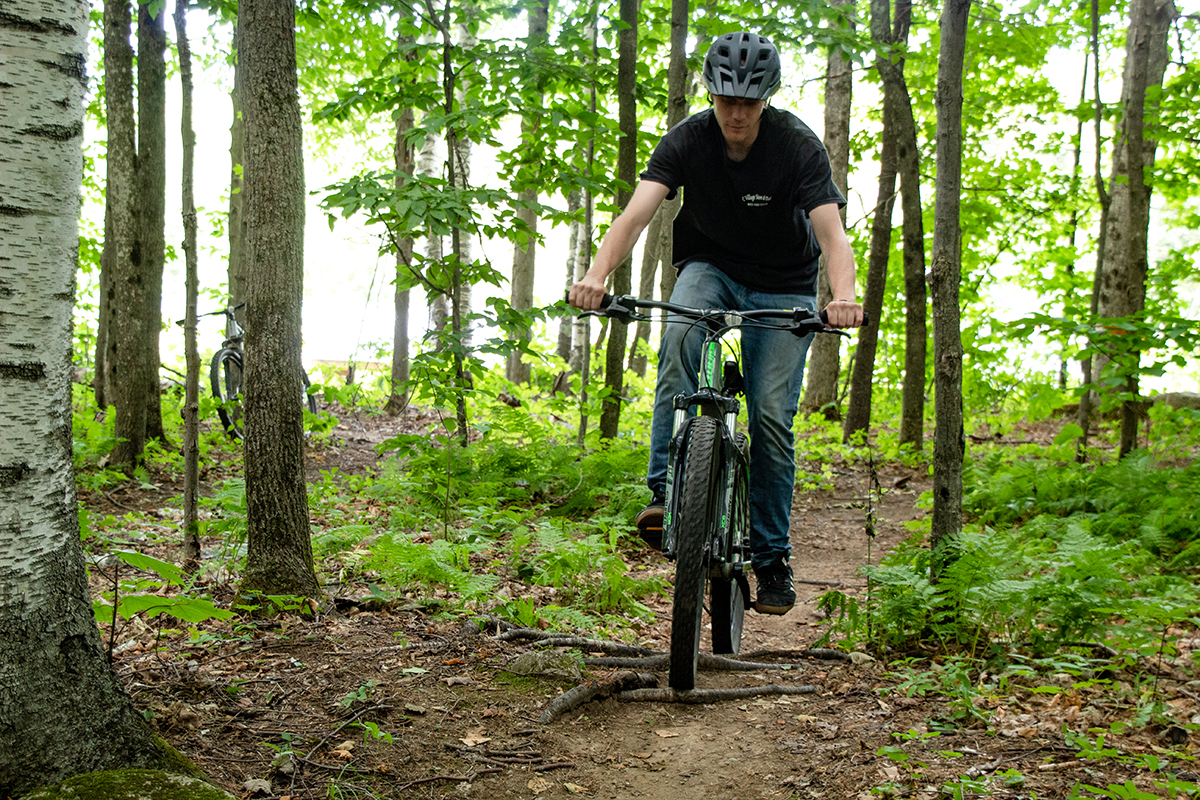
650,522
775,592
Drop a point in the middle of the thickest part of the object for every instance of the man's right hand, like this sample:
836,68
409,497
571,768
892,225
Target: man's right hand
587,293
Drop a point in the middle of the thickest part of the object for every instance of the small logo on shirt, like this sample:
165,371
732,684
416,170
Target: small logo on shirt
755,200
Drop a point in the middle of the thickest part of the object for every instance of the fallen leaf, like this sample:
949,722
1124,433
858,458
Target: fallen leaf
641,755
494,712
538,785
666,734
458,680
575,788
474,741
412,709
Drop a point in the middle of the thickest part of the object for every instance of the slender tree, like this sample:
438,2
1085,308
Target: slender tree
404,160
62,710
949,443
279,555
858,412
191,406
1123,273
908,165
126,296
525,258
235,270
614,362
152,197
824,356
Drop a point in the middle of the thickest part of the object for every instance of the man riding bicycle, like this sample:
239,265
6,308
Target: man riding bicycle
759,209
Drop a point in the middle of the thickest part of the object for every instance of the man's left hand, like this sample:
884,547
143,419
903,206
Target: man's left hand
844,314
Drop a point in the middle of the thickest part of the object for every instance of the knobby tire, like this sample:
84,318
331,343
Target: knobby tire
694,524
225,375
728,596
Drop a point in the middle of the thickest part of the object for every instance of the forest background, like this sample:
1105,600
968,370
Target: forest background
1082,540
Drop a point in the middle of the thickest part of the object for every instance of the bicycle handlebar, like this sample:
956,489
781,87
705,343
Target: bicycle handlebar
623,308
226,311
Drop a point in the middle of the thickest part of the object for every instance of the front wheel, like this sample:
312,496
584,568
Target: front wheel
225,375
694,525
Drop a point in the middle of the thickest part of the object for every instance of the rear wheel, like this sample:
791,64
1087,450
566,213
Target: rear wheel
728,598
694,525
225,374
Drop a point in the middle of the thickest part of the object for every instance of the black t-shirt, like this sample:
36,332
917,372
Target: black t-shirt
748,218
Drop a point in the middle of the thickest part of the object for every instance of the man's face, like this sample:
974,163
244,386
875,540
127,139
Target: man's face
738,118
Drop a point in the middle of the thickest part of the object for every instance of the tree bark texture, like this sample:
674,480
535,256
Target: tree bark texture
525,258
127,376
62,711
404,159
824,356
1122,284
100,387
152,198
949,443
279,556
614,361
237,158
652,255
191,405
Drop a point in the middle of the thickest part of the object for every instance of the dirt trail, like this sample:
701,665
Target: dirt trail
300,706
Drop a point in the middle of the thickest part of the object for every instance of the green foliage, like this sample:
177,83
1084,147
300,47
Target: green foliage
132,597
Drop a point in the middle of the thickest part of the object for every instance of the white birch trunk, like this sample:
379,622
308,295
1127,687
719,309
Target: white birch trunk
61,710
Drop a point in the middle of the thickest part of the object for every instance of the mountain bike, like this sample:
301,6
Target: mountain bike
706,521
225,375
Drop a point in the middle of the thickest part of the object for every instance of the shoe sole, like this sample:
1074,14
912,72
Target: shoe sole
762,609
650,527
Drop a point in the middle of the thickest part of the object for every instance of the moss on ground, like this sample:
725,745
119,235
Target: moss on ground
130,784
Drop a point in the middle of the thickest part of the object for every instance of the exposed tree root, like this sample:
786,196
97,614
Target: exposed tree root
669,695
707,661
594,690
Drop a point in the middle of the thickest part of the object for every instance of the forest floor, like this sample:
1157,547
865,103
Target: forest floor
394,700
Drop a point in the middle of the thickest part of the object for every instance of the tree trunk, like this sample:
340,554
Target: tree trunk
279,559
858,411
1085,399
152,198
404,160
236,275
824,356
127,379
1123,274
908,163
652,254
614,361
677,110
564,327
582,358
191,406
100,388
439,310
62,711
949,444
524,258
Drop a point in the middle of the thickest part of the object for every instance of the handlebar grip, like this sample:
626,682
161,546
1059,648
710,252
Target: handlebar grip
605,301
824,315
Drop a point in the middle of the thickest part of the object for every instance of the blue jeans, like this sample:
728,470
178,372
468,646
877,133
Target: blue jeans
773,368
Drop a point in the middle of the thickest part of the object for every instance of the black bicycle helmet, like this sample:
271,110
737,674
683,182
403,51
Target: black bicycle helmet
742,64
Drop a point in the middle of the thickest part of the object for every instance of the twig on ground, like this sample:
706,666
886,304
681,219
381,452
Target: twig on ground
559,640
389,648
1061,765
811,582
592,690
709,695
825,653
460,778
555,765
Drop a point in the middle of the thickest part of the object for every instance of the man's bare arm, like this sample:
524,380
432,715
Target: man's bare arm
618,243
844,310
